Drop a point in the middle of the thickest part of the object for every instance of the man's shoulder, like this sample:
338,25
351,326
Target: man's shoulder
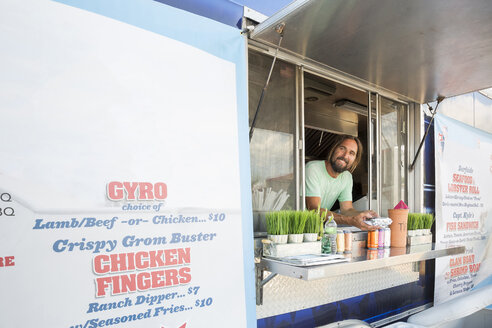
315,164
314,169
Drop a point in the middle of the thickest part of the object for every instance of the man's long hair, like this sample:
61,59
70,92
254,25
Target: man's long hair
341,138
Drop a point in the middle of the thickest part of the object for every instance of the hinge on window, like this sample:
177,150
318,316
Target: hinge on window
299,144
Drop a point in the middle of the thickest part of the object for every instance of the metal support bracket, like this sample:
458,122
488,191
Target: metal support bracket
280,30
260,282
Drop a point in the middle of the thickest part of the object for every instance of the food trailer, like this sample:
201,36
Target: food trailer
341,59
134,182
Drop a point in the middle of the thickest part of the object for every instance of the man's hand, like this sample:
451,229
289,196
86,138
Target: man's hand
358,220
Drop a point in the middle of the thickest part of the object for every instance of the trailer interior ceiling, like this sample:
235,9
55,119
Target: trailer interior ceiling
417,49
331,109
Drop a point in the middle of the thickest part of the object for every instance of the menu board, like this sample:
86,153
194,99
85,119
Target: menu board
463,209
120,168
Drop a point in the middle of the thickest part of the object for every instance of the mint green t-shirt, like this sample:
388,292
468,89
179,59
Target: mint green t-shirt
320,184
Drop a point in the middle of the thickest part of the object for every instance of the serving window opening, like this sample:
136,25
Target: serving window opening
301,114
331,109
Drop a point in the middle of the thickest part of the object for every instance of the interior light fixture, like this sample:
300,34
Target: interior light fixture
317,89
352,106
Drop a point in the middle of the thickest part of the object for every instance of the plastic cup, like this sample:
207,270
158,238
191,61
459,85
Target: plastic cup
398,227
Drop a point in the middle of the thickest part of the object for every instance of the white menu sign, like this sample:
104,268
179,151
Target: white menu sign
463,206
120,168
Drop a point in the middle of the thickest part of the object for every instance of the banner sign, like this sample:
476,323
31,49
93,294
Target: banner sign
463,160
121,168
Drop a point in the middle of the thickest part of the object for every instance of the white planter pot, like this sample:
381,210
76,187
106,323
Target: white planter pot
411,233
296,238
418,232
278,239
310,237
426,232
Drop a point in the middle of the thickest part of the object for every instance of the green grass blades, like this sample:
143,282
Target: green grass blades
297,221
428,221
284,223
271,223
294,222
313,222
419,221
413,221
277,222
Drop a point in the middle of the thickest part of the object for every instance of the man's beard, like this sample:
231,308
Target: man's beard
339,168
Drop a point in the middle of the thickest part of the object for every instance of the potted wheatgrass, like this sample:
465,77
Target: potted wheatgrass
294,226
314,224
277,224
419,224
428,220
297,221
413,223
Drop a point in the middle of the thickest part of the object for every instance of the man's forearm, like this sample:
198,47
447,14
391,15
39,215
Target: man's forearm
350,212
341,219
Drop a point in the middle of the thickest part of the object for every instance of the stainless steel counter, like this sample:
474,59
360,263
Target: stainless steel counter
368,260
